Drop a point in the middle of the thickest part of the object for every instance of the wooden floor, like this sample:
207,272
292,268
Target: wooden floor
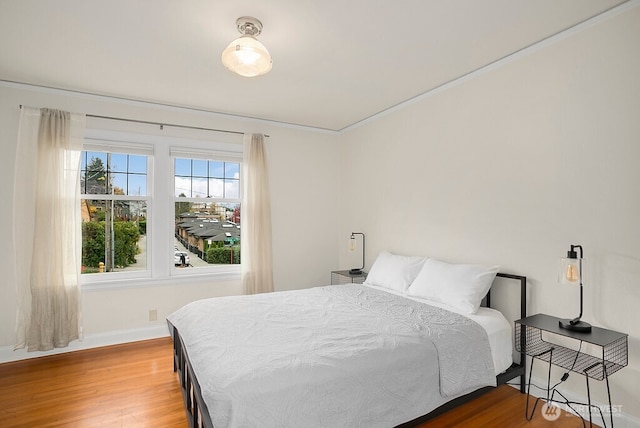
133,385
130,385
501,407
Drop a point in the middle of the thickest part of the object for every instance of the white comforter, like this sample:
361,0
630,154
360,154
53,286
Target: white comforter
314,358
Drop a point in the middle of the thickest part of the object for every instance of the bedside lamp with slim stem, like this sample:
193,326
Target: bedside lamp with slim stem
571,273
352,248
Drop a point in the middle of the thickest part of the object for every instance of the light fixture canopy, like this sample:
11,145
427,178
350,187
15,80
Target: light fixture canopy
245,55
571,273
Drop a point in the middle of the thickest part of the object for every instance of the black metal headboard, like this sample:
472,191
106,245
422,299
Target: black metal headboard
516,369
523,292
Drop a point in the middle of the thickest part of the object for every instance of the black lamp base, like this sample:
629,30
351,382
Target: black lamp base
355,271
574,325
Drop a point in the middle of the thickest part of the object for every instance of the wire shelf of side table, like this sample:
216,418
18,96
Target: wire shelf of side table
614,354
539,336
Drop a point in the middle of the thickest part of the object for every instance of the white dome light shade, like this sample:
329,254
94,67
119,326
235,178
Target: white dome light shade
247,57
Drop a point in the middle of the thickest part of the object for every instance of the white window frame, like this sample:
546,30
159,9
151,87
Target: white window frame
105,145
160,151
212,155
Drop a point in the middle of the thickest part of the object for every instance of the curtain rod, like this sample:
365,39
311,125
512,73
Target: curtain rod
162,125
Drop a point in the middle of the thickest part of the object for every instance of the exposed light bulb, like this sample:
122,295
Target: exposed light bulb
352,243
571,273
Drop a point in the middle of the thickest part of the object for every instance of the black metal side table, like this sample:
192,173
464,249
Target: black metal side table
344,277
610,355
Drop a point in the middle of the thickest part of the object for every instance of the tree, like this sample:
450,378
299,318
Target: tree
98,181
93,243
126,242
95,178
182,207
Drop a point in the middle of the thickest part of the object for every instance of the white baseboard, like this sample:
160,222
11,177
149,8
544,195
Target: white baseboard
7,353
620,418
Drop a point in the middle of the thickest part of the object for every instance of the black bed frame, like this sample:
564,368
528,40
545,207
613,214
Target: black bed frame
198,414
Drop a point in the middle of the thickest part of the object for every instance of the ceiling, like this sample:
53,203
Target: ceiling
335,62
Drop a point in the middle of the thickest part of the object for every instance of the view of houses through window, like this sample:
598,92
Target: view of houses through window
115,203
207,212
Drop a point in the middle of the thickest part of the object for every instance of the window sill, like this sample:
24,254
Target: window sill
181,279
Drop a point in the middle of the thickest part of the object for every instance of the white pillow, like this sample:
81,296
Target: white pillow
394,271
459,286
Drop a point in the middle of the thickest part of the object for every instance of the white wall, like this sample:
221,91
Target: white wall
513,166
303,173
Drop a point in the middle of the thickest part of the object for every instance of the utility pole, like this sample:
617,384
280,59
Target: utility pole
109,250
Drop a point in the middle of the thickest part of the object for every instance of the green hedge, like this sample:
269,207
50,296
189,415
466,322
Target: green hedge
142,227
92,243
126,235
222,255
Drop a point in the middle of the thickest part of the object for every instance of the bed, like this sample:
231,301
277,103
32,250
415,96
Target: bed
374,355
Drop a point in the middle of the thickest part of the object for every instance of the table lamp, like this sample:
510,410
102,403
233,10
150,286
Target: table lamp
571,273
352,248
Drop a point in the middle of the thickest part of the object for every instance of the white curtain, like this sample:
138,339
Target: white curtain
257,269
47,228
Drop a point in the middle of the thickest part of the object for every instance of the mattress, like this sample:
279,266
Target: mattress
338,361
492,321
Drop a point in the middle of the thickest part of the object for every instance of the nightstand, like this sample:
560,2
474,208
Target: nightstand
344,277
540,337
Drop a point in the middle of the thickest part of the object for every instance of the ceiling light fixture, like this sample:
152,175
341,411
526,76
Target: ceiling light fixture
246,56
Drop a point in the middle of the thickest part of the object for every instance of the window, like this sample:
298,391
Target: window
207,211
157,208
114,203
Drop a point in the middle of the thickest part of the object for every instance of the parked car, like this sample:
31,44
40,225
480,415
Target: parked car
178,258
